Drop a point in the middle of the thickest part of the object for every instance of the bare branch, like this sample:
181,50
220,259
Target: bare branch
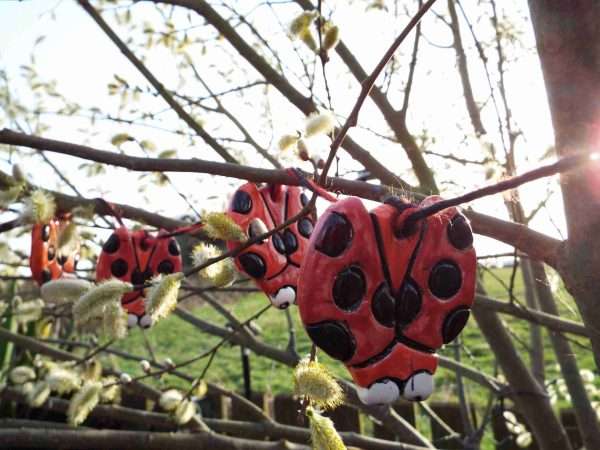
189,120
535,244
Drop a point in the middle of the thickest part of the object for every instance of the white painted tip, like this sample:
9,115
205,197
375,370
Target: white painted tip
145,321
284,297
132,320
418,387
384,391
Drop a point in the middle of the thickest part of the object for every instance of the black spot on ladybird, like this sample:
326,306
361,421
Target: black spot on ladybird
454,324
333,338
165,266
305,227
174,248
253,265
242,202
408,304
383,305
335,236
459,232
112,244
445,279
349,288
119,268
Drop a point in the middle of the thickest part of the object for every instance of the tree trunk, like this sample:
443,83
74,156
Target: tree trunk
568,41
529,397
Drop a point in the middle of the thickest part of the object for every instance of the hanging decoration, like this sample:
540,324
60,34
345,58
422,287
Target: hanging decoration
275,262
49,258
135,257
382,292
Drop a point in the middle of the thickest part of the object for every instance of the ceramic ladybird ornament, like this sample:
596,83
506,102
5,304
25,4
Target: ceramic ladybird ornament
274,263
382,295
47,261
135,257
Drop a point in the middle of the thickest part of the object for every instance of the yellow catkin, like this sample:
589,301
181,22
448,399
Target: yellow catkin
62,380
40,207
114,321
64,290
93,301
83,402
169,400
38,395
220,226
302,22
111,390
184,412
162,298
287,142
21,375
321,123
313,381
323,434
331,38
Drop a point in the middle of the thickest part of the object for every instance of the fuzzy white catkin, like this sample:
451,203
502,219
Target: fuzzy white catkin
21,375
184,412
82,403
322,123
109,291
64,290
162,298
170,399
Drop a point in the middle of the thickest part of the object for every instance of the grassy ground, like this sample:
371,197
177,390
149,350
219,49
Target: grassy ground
179,341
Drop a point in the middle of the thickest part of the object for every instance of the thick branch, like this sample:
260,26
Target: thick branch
536,245
550,321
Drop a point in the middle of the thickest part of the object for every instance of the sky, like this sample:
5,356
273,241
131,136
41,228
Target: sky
83,61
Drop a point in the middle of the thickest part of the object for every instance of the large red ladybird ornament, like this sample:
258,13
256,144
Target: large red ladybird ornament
382,297
135,257
47,261
275,263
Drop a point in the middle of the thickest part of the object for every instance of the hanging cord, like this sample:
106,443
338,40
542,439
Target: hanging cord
311,185
189,229
562,165
112,209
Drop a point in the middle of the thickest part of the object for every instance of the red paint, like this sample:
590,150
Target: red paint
396,343
273,205
44,243
135,257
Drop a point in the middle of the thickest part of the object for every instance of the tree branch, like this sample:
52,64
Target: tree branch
536,245
189,120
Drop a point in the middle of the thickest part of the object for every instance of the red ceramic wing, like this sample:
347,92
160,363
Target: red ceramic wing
444,276
382,297
46,260
342,303
274,264
402,372
135,257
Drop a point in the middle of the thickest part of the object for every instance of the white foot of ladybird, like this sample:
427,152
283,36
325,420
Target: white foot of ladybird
384,391
418,387
284,297
132,320
145,321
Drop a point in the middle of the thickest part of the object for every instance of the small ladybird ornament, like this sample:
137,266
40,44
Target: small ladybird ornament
382,297
274,263
135,257
47,261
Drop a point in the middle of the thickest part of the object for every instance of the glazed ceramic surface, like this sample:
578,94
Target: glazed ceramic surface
383,298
